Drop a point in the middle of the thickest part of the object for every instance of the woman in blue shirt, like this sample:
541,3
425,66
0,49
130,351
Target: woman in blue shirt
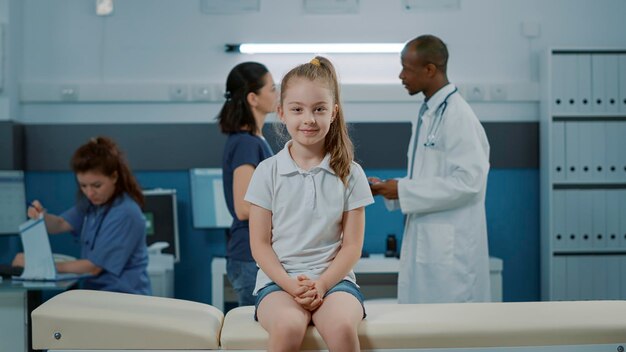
250,96
108,219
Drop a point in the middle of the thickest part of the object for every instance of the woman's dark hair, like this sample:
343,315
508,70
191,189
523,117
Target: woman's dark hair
245,78
102,155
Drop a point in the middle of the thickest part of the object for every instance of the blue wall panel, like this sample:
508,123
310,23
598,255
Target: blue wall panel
512,218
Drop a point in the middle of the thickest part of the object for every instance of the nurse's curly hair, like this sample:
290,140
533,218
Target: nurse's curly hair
102,155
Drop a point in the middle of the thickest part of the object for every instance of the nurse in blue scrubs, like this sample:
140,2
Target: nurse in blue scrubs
107,218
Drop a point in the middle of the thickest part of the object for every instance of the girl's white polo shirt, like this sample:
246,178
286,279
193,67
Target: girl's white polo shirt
307,209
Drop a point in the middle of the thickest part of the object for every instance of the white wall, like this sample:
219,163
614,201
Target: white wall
148,45
10,62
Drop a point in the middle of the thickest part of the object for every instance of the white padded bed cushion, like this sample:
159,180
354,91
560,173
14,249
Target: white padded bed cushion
107,320
390,326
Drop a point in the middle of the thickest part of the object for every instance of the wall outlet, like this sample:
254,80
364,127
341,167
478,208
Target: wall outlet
201,92
178,92
475,92
69,92
498,92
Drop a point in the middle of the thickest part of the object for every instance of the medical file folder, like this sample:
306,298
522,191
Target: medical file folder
38,259
39,263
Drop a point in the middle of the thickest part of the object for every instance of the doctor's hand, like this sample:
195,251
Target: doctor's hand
35,210
387,189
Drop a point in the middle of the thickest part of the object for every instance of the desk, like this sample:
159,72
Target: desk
17,300
375,264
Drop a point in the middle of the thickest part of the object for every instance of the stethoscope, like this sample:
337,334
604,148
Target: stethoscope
433,129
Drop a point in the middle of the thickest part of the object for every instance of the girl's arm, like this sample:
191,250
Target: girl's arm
263,253
241,179
353,225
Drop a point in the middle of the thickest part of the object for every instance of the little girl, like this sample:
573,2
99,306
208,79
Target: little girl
307,218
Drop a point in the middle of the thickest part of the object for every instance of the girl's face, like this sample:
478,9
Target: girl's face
98,188
267,98
307,110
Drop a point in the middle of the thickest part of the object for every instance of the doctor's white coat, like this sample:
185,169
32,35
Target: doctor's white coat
444,256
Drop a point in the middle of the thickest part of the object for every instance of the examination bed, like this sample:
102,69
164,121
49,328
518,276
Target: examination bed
92,320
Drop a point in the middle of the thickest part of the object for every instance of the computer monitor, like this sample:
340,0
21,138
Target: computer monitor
208,203
12,202
162,219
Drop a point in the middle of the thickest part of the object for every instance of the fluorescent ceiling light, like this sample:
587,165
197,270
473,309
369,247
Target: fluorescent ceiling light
315,48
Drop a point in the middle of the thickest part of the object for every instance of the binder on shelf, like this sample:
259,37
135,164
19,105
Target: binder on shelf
598,82
571,83
559,278
621,167
585,219
613,271
572,277
613,141
583,97
612,219
586,269
559,236
572,228
558,151
611,80
597,134
586,150
622,82
598,278
572,145
622,216
559,73
599,218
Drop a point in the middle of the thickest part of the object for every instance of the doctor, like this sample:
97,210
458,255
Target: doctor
444,254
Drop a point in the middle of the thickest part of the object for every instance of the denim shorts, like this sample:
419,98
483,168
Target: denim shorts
342,286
